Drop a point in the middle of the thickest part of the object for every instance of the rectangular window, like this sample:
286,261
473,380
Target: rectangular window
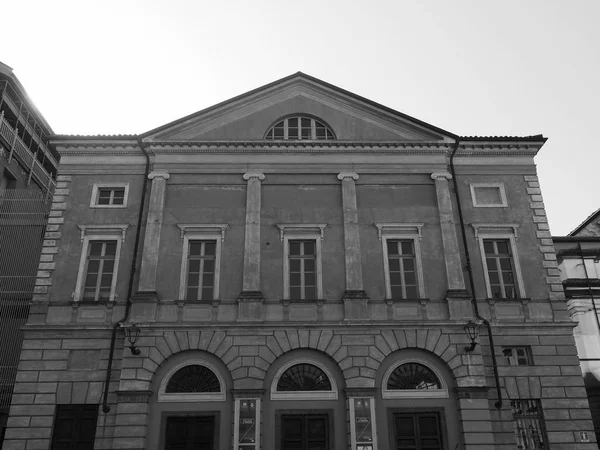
302,264
516,356
500,269
111,196
201,270
529,424
99,270
114,195
402,268
74,427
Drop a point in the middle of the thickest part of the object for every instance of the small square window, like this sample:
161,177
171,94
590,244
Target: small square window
488,195
110,195
516,356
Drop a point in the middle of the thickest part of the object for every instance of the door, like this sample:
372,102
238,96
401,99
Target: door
74,427
305,432
190,433
418,431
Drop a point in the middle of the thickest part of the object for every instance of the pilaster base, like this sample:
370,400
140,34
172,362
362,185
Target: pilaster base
355,305
459,304
250,306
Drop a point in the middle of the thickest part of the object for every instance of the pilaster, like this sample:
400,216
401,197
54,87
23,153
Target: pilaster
456,295
149,265
250,299
355,298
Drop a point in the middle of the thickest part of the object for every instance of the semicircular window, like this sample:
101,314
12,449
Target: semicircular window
413,376
300,128
303,377
193,379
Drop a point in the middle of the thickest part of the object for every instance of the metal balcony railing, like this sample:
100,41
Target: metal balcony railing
23,217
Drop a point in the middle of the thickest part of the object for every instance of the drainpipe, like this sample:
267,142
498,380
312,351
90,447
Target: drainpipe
116,326
498,403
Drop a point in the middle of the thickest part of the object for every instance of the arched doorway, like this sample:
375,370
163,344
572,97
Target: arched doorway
305,403
416,405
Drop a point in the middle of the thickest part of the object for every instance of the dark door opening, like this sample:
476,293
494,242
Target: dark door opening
305,432
418,431
190,433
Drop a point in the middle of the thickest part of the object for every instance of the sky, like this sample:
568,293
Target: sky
476,67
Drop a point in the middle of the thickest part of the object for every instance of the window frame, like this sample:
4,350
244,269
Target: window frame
96,194
304,395
201,232
414,393
499,185
305,232
506,232
189,397
92,233
286,128
401,231
528,354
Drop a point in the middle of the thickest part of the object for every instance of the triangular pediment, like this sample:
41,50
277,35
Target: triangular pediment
249,116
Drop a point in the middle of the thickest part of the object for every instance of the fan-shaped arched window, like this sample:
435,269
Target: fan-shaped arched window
192,381
299,128
413,379
194,378
412,376
304,379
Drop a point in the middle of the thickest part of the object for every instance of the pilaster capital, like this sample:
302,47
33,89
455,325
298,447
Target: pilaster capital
159,174
343,175
441,175
258,175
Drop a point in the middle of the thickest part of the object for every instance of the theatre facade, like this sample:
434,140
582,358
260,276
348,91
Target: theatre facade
298,268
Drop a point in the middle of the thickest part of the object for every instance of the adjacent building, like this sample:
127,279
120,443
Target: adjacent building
299,267
579,264
27,177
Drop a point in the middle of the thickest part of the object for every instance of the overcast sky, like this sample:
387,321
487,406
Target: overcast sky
470,67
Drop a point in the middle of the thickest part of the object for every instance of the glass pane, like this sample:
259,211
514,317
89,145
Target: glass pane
294,279
488,246
395,279
494,278
193,279
294,247
108,267
306,133
309,247
91,280
294,265
309,279
106,280
207,293
329,135
394,265
191,293
309,265
292,133
111,249
194,265
293,122
410,278
278,132
407,248
496,292
96,248
93,265
195,248
413,376
409,264
396,291
209,265
306,122
320,132
208,280
210,248
295,293
502,247
505,264
392,247
104,197
411,292
310,293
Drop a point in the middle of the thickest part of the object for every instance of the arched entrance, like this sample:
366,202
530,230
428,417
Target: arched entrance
416,405
304,402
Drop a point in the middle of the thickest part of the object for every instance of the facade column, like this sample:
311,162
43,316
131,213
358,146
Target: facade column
251,298
456,295
149,265
355,298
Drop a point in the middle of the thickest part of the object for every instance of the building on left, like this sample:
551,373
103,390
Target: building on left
28,169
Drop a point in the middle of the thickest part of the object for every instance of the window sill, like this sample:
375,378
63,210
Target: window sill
319,301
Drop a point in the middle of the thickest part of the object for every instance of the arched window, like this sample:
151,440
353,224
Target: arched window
303,380
299,128
412,378
192,381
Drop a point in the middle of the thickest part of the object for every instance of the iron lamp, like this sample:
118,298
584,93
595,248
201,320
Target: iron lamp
472,330
133,333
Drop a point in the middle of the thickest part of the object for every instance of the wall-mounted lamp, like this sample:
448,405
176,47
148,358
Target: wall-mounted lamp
472,330
133,333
